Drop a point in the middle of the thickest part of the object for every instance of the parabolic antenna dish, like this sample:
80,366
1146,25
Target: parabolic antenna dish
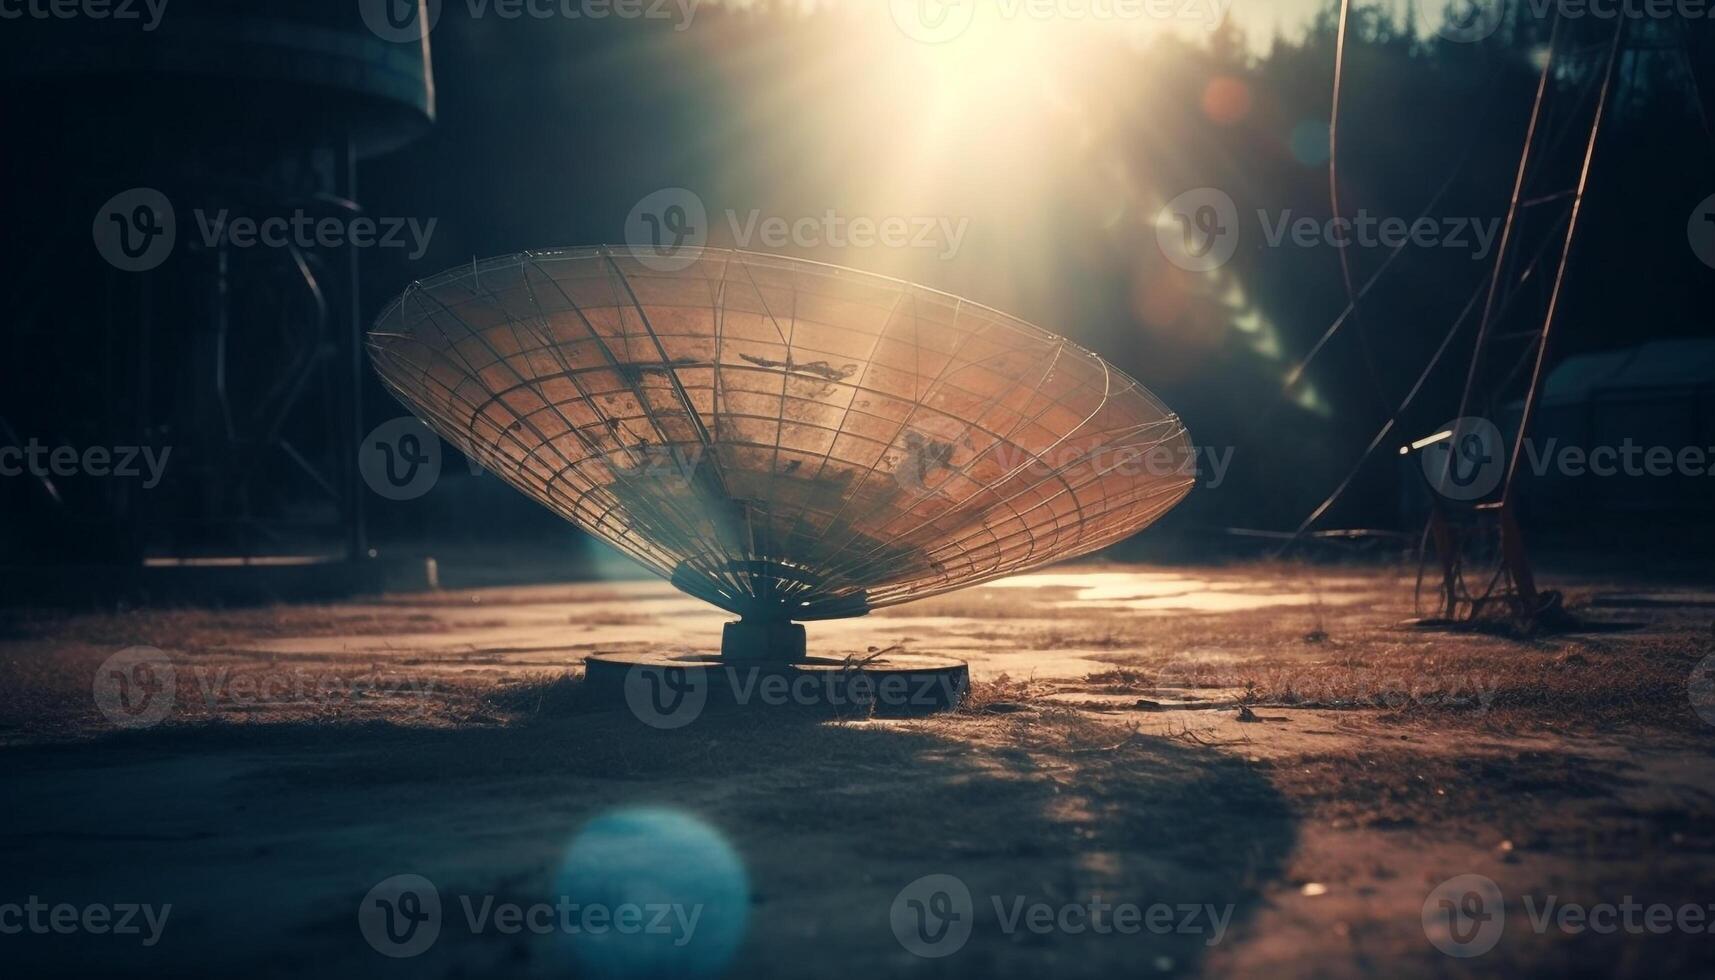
786,440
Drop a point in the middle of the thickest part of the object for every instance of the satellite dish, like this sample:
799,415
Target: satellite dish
787,440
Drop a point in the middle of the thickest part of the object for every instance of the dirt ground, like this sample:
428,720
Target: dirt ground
1264,751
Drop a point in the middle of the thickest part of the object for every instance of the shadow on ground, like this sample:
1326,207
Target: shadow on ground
265,839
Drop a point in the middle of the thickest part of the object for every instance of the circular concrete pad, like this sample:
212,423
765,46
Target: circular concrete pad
669,690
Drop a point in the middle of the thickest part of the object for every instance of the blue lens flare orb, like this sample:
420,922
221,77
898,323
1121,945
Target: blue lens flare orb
658,893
